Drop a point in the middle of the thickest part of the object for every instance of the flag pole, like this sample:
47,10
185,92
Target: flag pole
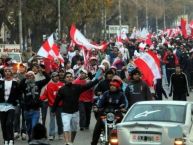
146,13
59,20
120,16
164,14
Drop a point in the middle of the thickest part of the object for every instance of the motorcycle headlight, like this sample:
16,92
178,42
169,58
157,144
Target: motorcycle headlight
110,116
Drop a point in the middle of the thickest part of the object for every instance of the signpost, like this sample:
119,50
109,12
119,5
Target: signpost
113,29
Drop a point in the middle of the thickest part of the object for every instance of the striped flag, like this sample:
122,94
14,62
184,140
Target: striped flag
149,64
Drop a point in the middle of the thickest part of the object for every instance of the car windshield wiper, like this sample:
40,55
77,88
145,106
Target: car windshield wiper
146,113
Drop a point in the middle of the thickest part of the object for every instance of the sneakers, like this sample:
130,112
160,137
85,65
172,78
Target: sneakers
6,143
51,138
10,142
16,135
23,136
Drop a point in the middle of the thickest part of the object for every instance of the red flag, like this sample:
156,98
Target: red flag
149,64
81,40
183,28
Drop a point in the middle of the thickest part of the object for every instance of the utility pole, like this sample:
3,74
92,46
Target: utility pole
137,17
146,13
59,21
20,27
164,14
120,15
156,20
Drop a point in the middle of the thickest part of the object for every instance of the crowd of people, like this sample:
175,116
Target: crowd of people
70,91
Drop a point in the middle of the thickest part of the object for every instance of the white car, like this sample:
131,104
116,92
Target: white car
15,57
156,123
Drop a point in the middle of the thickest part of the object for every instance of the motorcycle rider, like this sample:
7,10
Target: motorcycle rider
113,99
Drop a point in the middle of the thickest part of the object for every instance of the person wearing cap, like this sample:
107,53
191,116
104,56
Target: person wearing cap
69,94
137,90
50,94
9,98
86,99
92,66
113,99
31,92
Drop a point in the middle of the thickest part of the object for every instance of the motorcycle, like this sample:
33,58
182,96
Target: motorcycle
110,118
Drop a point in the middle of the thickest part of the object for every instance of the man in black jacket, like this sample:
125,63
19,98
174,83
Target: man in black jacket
31,102
69,94
137,90
179,85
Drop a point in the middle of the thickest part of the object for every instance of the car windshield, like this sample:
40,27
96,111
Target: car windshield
14,57
157,112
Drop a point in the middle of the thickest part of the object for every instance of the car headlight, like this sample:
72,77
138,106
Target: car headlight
110,116
179,141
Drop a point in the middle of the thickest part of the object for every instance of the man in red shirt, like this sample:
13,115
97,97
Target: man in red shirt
50,94
86,100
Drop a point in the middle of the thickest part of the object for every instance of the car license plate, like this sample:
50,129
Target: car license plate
145,138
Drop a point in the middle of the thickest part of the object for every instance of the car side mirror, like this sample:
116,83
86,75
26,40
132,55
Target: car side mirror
175,132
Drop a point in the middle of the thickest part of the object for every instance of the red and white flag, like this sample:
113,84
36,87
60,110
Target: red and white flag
81,40
183,28
50,50
149,64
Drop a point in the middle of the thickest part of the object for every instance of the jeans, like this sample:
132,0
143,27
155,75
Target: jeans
32,118
85,114
44,109
19,112
58,118
7,124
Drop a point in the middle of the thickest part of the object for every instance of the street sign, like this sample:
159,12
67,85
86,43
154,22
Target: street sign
9,48
113,29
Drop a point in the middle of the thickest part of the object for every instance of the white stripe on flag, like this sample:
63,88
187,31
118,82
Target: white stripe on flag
51,40
148,59
42,52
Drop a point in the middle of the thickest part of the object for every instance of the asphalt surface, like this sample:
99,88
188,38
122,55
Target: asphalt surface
82,138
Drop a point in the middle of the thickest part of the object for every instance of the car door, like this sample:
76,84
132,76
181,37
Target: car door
191,131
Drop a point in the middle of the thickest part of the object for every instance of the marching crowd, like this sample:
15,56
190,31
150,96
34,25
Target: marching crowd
70,92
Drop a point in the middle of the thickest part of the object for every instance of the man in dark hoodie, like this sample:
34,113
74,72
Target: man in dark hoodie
137,89
102,87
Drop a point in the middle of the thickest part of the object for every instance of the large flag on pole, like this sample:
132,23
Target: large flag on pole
81,40
50,50
149,64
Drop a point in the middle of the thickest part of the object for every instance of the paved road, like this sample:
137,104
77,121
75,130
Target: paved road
82,138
